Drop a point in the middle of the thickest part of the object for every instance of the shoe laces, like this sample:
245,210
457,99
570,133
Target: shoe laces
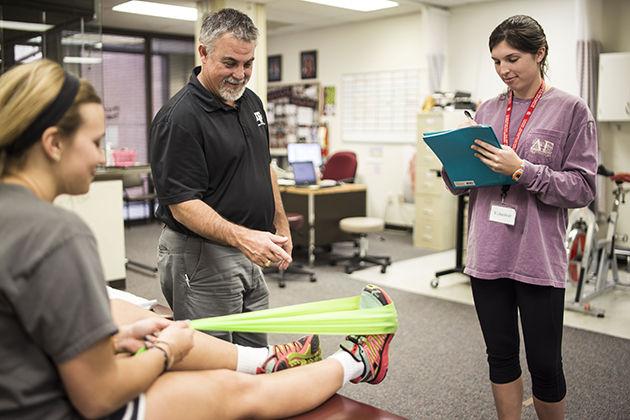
356,339
374,345
287,348
371,345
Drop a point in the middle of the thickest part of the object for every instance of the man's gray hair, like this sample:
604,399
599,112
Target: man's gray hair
225,21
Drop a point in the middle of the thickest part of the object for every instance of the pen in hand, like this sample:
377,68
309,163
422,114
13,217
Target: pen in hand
470,121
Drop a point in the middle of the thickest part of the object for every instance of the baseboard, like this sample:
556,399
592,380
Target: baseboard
119,284
399,227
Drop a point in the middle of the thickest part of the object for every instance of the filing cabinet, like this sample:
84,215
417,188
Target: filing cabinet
436,207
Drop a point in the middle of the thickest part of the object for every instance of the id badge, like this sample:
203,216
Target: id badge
502,213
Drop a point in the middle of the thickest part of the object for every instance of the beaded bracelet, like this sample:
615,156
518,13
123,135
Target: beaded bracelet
170,352
168,361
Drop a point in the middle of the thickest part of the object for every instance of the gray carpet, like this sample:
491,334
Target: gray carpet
438,368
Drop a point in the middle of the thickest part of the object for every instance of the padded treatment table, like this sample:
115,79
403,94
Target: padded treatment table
339,407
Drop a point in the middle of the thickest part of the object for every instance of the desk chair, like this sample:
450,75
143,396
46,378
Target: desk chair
341,166
133,181
361,226
296,221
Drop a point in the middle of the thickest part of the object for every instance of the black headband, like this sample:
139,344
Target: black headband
49,117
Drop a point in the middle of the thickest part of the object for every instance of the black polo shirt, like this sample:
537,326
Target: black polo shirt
203,149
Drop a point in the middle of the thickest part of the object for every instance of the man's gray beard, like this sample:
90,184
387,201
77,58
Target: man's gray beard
230,95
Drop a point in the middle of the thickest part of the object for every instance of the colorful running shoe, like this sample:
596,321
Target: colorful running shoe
371,350
283,356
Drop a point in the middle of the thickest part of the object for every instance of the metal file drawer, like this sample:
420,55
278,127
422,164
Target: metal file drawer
425,158
435,221
430,121
428,182
434,236
436,207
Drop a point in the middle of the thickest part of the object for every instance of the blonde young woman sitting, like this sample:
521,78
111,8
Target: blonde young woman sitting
59,340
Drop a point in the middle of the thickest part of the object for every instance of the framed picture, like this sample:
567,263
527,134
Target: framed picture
308,64
274,68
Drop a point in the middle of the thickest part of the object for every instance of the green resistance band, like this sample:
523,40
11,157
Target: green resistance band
334,317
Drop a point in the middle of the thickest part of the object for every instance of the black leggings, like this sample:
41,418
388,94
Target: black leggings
541,309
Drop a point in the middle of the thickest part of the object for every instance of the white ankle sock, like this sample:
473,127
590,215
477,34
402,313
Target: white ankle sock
351,368
249,358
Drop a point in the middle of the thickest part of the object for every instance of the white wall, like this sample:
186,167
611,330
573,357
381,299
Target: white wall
378,45
469,66
397,43
615,137
616,28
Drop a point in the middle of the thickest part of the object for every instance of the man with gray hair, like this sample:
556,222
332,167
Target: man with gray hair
218,196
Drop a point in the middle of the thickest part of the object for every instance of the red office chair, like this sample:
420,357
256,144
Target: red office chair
341,166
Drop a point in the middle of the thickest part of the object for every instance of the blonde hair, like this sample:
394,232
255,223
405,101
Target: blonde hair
25,91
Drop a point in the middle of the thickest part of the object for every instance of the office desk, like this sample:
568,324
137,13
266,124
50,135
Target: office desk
136,178
117,172
323,208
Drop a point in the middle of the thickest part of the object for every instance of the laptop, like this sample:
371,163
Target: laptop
301,152
304,174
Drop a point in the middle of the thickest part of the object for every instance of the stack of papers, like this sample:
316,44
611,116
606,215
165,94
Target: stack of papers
130,297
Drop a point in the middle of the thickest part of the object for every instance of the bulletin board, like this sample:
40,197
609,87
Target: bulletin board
382,107
293,113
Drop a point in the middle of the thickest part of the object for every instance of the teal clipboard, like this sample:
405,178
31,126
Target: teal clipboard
464,170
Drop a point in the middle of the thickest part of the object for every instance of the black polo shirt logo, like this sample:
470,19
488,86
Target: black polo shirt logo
259,118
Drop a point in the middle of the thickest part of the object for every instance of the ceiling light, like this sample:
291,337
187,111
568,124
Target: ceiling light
82,60
122,40
25,26
81,39
360,5
157,9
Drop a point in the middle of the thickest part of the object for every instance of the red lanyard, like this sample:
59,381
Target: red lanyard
524,121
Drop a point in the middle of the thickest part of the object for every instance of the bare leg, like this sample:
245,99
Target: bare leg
207,353
549,411
227,394
508,399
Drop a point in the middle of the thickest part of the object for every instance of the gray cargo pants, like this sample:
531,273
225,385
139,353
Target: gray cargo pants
202,279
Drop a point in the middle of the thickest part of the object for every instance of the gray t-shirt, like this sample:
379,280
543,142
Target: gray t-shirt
53,303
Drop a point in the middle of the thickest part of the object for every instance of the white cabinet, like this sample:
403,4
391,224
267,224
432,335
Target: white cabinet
613,103
436,207
102,210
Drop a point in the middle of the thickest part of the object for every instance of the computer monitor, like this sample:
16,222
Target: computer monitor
304,173
305,152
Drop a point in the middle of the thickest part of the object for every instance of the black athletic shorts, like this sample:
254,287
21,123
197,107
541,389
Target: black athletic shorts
134,410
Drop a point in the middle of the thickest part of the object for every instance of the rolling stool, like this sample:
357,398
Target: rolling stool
296,221
361,226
